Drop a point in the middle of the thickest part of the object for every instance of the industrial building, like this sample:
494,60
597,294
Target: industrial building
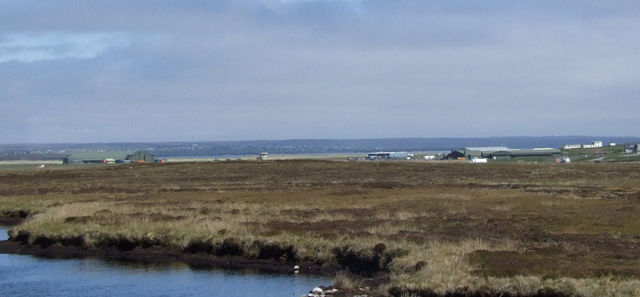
506,154
545,154
470,153
140,157
631,147
390,156
379,156
109,157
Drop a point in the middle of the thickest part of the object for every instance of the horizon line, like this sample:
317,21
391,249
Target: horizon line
309,139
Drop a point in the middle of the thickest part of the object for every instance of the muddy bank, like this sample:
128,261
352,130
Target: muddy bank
201,260
366,262
196,260
367,268
13,219
160,255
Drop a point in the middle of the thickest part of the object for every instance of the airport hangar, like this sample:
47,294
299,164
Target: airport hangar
507,154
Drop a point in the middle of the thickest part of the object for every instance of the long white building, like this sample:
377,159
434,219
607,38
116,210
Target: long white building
595,144
572,146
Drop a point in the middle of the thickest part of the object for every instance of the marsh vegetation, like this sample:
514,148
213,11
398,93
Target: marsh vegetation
423,228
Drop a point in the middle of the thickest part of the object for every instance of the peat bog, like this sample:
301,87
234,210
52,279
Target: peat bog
427,229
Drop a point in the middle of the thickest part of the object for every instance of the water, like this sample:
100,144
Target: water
22,275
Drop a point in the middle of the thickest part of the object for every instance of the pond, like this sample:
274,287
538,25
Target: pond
23,275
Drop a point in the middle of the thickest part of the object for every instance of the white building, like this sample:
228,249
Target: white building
572,146
479,160
595,144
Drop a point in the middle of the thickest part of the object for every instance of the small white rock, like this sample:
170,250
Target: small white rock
316,290
296,267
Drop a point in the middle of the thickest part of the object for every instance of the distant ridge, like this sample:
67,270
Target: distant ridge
315,146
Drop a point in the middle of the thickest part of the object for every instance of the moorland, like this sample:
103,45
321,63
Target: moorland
401,228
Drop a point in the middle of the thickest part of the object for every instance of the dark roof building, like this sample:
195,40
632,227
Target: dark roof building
505,153
379,156
141,157
475,152
631,147
550,155
454,155
109,157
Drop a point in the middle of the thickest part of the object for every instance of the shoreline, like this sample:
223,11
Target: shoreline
159,255
205,261
11,221
368,286
199,260
152,254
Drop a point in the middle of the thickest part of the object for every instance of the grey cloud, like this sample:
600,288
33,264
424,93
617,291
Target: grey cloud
32,47
213,70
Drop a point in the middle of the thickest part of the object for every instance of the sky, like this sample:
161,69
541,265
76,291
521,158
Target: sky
136,71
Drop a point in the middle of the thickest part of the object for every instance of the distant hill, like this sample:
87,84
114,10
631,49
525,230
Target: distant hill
296,146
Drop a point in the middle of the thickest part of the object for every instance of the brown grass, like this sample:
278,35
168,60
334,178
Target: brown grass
430,226
344,281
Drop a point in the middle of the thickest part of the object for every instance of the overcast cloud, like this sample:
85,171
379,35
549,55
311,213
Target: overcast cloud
102,71
34,47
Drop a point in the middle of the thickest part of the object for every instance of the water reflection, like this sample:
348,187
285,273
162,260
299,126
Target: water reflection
30,276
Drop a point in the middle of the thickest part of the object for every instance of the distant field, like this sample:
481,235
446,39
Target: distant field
429,227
